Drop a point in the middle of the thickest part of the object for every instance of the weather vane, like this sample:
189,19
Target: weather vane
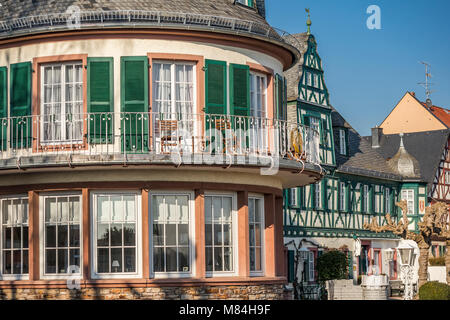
308,22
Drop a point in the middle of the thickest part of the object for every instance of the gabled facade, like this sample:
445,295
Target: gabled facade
358,185
411,115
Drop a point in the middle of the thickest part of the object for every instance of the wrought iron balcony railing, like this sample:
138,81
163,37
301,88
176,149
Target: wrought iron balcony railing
134,18
57,138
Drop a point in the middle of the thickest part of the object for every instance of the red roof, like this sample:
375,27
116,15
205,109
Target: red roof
440,113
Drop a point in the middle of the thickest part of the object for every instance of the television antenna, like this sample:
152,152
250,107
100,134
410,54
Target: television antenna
427,84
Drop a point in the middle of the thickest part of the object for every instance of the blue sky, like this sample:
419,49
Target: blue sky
368,71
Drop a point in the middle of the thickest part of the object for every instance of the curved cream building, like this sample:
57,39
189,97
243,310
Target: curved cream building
144,148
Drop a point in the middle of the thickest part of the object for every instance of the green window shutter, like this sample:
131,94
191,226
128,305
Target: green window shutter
100,101
3,92
280,92
20,105
291,265
216,87
350,265
134,104
3,107
240,90
250,3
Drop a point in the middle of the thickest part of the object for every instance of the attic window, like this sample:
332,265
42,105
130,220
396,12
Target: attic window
248,3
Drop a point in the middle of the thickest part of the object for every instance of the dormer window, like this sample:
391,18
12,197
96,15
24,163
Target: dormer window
249,3
343,142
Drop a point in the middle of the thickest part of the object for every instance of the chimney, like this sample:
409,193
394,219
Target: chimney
429,103
377,133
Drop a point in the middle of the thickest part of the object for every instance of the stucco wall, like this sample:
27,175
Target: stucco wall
410,116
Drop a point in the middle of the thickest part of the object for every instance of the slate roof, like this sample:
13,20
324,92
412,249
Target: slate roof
12,9
361,159
294,74
426,147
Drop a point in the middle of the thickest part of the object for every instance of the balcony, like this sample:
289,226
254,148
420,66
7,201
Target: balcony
153,138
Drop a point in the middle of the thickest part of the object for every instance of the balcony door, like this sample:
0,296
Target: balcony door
258,123
61,114
174,97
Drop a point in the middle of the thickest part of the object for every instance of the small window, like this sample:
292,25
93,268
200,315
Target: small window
447,177
387,200
408,195
316,81
342,196
14,240
342,142
318,195
311,266
293,197
366,198
308,79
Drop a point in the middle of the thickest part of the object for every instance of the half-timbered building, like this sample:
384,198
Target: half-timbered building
360,183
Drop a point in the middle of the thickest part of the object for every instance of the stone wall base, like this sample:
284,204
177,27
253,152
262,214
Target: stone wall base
255,292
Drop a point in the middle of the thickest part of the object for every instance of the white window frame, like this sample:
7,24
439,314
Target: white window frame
366,198
308,78
42,198
293,197
253,78
173,81
410,198
387,200
447,177
234,221
63,123
316,80
342,198
93,232
318,195
342,142
23,276
311,270
263,247
192,237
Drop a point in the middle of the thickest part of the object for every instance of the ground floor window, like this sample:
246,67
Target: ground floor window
172,224
256,227
219,239
116,233
14,240
60,241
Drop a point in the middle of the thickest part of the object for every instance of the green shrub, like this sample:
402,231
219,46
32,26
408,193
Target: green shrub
332,265
434,291
437,261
